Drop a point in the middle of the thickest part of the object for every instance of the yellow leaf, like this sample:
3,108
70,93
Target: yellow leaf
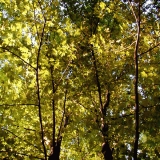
28,40
102,5
23,49
144,74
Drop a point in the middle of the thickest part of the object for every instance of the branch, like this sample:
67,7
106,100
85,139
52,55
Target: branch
35,21
6,49
59,81
122,73
23,154
148,107
97,80
21,138
123,116
125,48
149,50
131,114
23,104
42,11
74,101
64,113
105,106
53,105
38,92
28,129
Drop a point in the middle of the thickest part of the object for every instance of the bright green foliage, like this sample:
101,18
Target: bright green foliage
56,39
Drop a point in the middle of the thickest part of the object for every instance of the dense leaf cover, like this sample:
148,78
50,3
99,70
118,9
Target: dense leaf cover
79,79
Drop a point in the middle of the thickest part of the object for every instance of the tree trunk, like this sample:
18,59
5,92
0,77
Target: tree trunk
107,152
55,151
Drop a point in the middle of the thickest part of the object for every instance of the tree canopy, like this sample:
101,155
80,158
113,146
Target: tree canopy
79,79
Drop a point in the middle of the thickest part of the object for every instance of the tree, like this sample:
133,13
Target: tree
79,79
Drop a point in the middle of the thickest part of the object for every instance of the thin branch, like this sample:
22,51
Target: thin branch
64,113
125,48
21,138
74,101
30,156
6,49
24,128
38,92
42,11
106,104
59,81
137,20
35,22
122,73
88,153
97,79
148,107
23,104
22,154
122,116
53,105
148,50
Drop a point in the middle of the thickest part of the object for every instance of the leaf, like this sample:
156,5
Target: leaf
102,5
144,75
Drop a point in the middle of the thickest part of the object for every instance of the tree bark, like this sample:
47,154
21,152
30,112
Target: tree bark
137,18
107,152
55,151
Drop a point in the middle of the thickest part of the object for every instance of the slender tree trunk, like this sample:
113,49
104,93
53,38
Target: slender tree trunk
136,88
137,18
107,152
55,153
38,93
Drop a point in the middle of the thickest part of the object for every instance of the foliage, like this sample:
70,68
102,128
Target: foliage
62,61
